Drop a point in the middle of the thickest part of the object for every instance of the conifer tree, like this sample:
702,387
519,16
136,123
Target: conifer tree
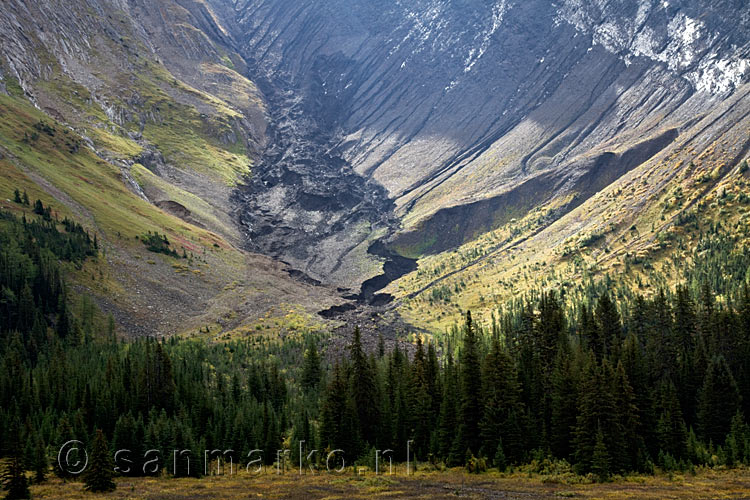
100,471
447,420
608,320
626,458
671,429
596,408
719,400
551,327
501,399
14,480
14,476
471,389
600,461
564,389
364,392
41,462
420,402
499,458
311,371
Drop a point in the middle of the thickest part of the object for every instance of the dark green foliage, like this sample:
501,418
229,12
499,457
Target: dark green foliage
719,400
609,381
14,480
470,413
500,421
600,461
100,470
158,243
671,430
14,476
40,461
363,390
311,371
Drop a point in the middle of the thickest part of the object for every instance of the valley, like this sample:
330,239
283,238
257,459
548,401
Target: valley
509,242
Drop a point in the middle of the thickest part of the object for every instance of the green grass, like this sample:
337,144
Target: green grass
89,181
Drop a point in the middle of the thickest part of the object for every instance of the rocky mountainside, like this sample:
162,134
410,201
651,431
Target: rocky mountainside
150,123
310,130
446,103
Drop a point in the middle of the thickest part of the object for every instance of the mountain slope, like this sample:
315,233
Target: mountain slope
475,115
311,132
152,125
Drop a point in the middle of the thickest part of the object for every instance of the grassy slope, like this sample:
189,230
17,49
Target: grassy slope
138,103
632,220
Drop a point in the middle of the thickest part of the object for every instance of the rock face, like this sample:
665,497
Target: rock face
487,106
424,122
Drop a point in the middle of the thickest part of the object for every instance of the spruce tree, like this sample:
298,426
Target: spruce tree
501,402
364,392
471,390
671,429
14,476
608,320
41,462
14,479
719,400
600,461
564,388
311,371
98,476
626,457
420,403
447,420
596,409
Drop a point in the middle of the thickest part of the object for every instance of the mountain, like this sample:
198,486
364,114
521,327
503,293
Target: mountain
517,124
502,145
150,125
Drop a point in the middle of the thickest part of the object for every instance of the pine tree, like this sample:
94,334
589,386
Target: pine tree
670,429
608,320
14,480
471,389
311,371
420,407
719,400
98,476
41,462
564,388
25,198
14,477
17,196
364,392
600,461
447,420
502,406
